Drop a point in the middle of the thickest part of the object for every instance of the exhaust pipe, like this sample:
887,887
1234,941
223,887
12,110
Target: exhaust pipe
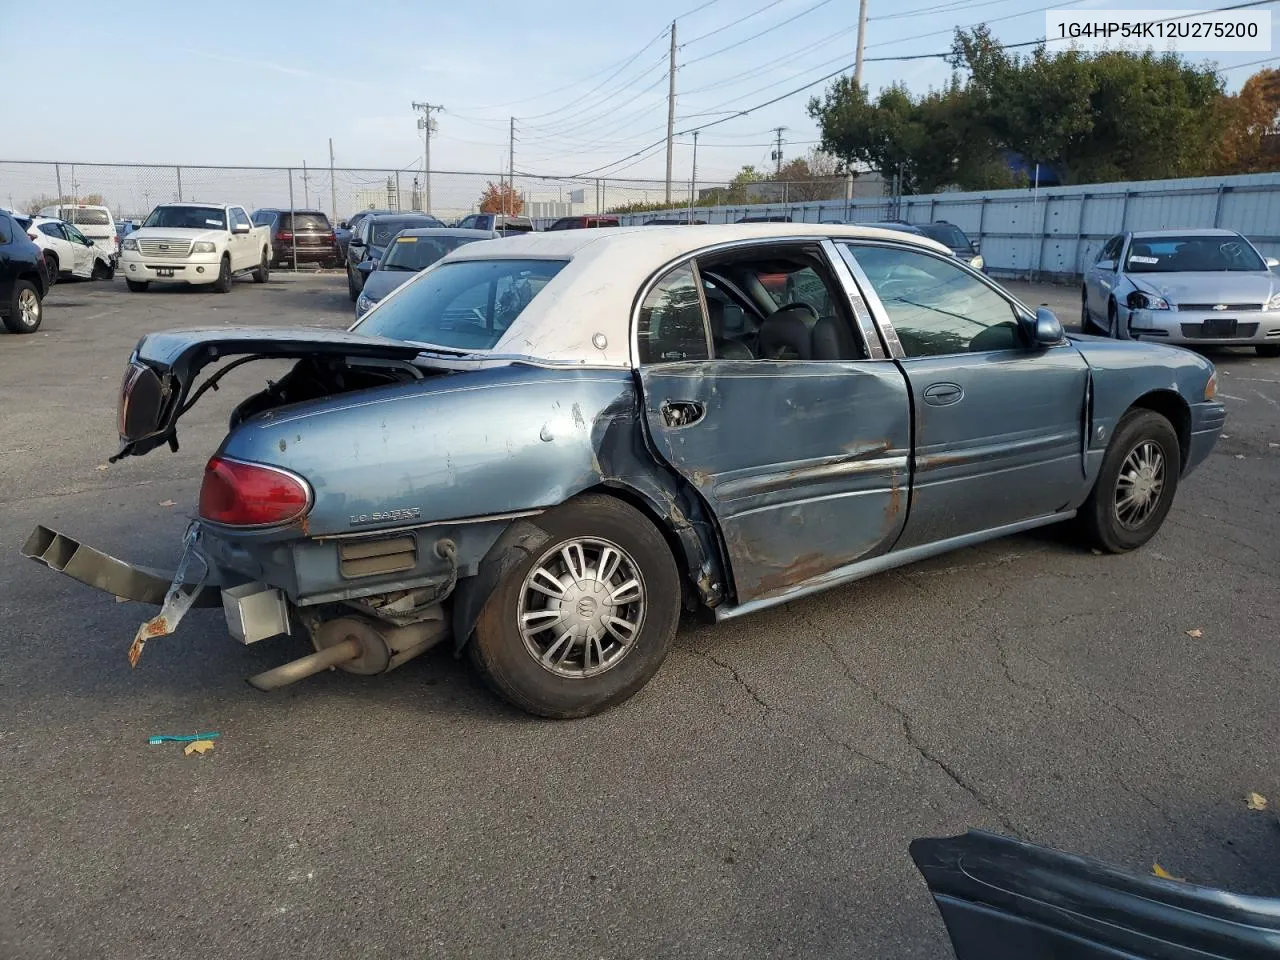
306,666
358,645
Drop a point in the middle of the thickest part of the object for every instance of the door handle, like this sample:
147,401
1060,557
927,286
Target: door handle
681,413
943,394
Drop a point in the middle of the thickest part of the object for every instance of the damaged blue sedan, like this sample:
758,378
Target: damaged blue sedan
542,449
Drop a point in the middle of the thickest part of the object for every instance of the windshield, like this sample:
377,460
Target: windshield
947,234
384,230
1191,255
193,218
418,253
86,216
466,305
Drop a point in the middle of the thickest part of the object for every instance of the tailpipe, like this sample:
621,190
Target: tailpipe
358,645
304,667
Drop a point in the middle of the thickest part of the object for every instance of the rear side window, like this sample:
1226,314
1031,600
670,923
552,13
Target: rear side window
467,305
51,230
6,228
672,326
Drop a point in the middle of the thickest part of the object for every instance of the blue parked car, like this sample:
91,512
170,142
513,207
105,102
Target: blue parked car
542,448
409,252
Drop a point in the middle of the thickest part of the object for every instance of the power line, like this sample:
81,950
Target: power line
732,24
714,53
937,8
1251,63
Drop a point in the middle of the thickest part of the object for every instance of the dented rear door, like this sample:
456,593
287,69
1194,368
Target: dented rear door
803,463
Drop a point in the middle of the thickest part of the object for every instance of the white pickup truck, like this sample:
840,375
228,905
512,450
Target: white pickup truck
195,243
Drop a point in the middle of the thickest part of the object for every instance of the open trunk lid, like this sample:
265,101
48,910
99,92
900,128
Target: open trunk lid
158,381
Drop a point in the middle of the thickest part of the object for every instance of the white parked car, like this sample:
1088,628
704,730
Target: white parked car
67,251
195,243
94,222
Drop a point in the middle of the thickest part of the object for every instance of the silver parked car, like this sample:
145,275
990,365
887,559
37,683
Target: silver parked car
1194,287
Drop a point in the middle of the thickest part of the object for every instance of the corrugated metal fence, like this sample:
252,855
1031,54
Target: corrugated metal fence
1055,231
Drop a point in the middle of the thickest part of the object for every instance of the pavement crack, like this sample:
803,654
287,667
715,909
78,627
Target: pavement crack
908,732
737,677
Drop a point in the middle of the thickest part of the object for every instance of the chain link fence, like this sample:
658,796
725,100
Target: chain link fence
132,190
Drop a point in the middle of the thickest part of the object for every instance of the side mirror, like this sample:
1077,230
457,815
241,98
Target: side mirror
240,228
1272,263
356,242
1105,265
343,225
367,266
1046,329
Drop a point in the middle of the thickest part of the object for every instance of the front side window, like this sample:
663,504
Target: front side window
74,235
935,306
1111,250
467,305
238,217
672,326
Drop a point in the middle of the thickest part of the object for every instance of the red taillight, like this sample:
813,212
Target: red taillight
284,235
249,494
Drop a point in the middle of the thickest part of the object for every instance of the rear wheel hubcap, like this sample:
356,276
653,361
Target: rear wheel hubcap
28,308
581,607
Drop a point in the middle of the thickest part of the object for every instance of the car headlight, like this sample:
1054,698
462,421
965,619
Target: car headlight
1140,300
364,304
977,262
204,246
1274,302
129,244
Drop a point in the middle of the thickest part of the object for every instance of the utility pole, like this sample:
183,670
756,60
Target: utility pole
306,196
862,37
511,166
333,190
671,106
427,126
693,178
776,156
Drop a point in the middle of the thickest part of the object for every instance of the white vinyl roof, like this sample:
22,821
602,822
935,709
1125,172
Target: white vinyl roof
595,292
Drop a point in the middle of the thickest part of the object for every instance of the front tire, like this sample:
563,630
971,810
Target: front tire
263,273
1268,350
1113,320
25,309
352,290
585,622
1136,484
137,286
223,283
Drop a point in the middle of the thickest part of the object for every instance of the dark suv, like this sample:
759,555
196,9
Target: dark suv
24,278
952,237
304,236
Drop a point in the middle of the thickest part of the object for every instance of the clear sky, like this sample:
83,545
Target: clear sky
265,83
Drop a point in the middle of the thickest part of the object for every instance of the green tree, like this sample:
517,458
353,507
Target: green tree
1103,116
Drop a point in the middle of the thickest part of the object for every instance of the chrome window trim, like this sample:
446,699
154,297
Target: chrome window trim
885,324
863,320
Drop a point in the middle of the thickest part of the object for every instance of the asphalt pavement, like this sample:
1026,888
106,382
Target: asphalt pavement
755,800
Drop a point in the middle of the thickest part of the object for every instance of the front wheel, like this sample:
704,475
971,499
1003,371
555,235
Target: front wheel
352,290
1086,321
1136,484
137,286
1268,350
223,283
25,308
585,622
263,273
